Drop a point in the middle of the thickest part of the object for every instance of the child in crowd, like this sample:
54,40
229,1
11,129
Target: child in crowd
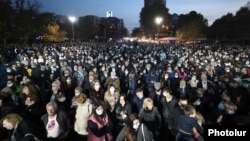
187,123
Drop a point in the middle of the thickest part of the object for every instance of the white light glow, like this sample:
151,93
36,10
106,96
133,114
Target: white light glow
158,20
72,19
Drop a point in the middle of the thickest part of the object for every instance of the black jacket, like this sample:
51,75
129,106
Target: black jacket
151,118
126,109
20,133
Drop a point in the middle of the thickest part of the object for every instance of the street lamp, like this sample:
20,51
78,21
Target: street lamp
72,20
158,21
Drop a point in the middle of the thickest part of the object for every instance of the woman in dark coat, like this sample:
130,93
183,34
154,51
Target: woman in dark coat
20,129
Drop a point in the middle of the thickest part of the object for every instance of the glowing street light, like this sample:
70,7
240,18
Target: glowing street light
158,21
72,20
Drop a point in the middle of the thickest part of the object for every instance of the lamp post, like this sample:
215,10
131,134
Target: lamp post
72,20
158,21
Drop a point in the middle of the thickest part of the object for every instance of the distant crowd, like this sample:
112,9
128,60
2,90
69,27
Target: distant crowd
96,91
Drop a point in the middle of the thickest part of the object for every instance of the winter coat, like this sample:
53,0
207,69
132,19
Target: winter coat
83,112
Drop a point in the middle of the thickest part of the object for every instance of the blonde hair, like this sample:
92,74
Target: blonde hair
200,117
57,83
147,101
81,98
13,118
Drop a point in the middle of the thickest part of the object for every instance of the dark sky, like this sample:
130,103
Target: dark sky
129,10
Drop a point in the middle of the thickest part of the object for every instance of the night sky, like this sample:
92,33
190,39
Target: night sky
129,10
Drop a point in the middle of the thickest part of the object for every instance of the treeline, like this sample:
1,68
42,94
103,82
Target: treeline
21,21
193,25
232,27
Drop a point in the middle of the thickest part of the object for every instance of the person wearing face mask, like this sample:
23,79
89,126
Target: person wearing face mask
192,84
57,95
175,82
135,130
65,74
228,72
88,82
97,91
113,79
137,100
69,90
99,126
77,92
79,75
12,85
175,113
229,113
168,102
198,103
156,94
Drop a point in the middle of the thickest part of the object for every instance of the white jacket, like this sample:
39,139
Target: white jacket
83,112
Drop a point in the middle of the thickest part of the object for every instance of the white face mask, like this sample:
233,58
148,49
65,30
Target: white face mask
140,96
97,86
136,126
164,94
9,85
99,112
68,80
77,93
198,103
193,78
112,90
166,76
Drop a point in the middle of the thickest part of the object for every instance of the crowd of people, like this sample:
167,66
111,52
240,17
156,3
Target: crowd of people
95,91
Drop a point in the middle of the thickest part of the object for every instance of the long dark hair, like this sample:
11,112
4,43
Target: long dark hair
99,118
130,134
32,90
